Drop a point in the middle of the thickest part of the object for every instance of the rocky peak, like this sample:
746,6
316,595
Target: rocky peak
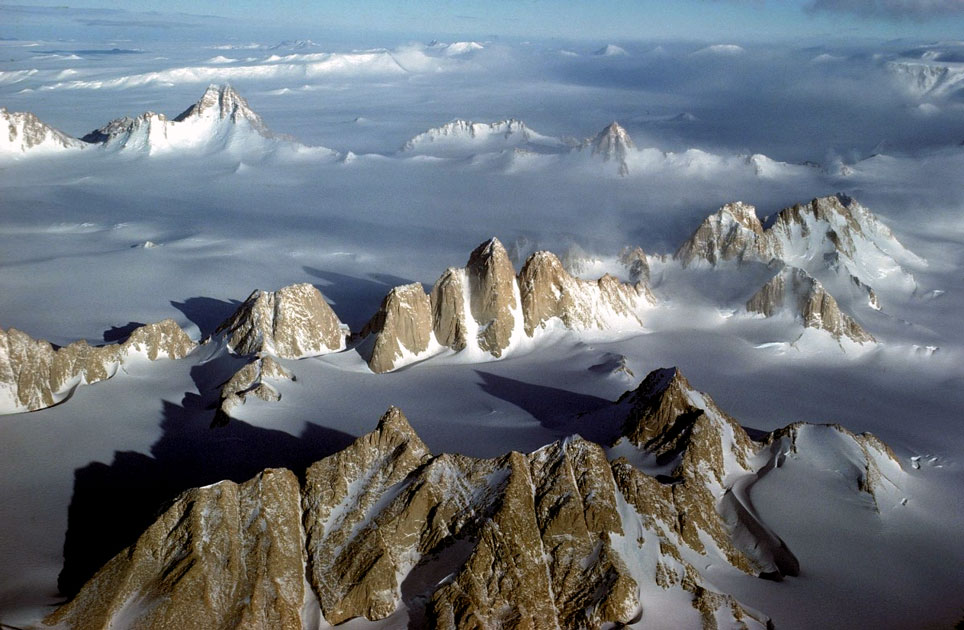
291,323
494,303
613,143
222,102
401,330
635,261
732,233
124,127
544,540
796,292
26,132
548,291
35,375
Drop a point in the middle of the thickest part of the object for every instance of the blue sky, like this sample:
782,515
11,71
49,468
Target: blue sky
716,20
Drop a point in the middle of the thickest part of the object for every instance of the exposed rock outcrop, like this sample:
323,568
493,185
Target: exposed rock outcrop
290,323
25,132
486,308
222,102
636,263
795,291
251,380
34,374
401,330
831,236
221,557
559,538
548,291
731,233
494,296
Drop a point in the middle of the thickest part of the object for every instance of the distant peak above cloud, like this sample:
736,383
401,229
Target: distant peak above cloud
892,9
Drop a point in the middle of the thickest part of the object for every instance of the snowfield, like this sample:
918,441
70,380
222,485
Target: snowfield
183,219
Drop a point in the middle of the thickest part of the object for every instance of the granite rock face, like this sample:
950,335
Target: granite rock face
34,374
486,308
494,296
549,291
222,557
795,291
253,380
290,323
733,232
558,538
829,236
401,329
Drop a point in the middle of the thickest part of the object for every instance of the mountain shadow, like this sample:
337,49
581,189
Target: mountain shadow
206,313
114,503
559,410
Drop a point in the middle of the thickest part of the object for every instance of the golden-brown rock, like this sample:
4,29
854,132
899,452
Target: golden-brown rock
222,557
402,328
290,323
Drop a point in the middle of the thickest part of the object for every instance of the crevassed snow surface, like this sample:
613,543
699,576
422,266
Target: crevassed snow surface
225,222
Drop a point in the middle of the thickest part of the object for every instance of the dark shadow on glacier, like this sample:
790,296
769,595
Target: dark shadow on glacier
114,503
116,334
353,299
206,313
559,410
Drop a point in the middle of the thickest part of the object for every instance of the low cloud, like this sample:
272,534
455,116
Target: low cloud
891,9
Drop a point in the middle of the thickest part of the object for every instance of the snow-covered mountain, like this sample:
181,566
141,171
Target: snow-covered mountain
221,120
796,293
834,239
611,50
461,138
559,537
928,79
613,143
25,133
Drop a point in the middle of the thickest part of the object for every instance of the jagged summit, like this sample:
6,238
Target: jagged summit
291,323
27,133
557,538
486,309
799,294
220,120
833,238
613,143
222,102
34,374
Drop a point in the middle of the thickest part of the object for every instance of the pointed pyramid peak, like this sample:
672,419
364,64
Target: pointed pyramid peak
613,143
394,420
492,248
223,102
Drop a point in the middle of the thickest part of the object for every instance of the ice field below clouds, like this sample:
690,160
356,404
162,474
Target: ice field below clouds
96,240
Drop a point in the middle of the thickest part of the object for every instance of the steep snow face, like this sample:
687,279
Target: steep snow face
613,143
220,120
832,238
839,234
924,79
26,133
797,293
464,137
